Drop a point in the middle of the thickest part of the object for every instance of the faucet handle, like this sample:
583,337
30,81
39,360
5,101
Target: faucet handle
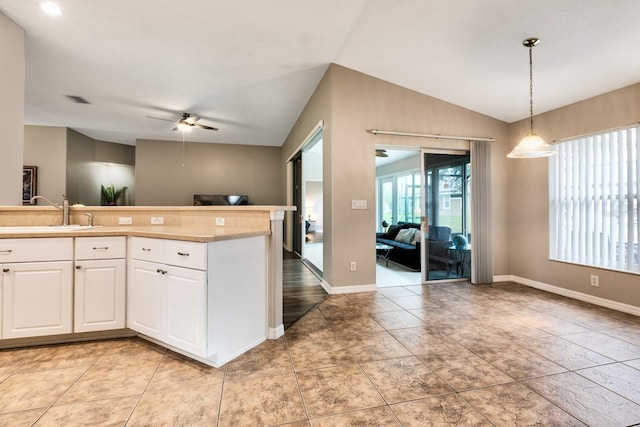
89,218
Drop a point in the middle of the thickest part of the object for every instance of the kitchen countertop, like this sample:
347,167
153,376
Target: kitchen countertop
193,234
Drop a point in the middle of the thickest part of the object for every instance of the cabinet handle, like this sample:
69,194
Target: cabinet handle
161,271
5,270
146,249
78,267
6,251
101,248
183,253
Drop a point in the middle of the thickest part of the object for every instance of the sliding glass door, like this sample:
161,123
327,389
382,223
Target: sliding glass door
446,193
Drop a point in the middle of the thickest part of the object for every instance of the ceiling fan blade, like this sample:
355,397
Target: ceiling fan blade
198,125
191,119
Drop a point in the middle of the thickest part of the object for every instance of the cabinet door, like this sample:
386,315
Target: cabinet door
145,298
99,295
37,299
186,305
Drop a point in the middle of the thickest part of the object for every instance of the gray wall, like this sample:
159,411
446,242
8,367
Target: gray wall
11,111
46,148
350,103
162,180
529,197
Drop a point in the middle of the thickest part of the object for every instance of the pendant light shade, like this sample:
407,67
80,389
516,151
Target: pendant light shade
532,145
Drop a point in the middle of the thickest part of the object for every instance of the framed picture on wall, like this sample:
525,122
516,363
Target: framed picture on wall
29,179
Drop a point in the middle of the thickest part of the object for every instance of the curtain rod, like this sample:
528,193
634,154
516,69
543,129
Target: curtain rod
426,135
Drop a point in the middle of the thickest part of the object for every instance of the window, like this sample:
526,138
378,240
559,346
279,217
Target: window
399,198
593,200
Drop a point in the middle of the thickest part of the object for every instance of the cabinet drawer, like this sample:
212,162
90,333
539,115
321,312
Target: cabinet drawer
172,252
185,254
146,249
109,247
36,249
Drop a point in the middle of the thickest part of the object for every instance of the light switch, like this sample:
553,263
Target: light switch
358,204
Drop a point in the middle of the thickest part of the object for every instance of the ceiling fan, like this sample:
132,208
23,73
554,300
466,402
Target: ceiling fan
186,122
381,152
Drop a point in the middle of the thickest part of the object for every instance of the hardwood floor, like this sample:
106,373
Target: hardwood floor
301,290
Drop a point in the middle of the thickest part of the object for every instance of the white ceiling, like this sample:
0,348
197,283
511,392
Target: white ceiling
250,66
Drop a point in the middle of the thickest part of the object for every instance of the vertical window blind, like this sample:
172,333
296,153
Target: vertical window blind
593,200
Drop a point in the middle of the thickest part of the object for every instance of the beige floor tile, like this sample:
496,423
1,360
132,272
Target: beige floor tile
335,390
422,342
318,352
113,377
377,346
191,406
618,378
397,320
269,358
439,411
109,412
30,390
374,417
553,325
304,423
261,401
517,361
13,360
177,371
590,403
464,370
67,356
605,345
21,418
407,378
630,334
395,292
565,353
133,348
516,405
364,324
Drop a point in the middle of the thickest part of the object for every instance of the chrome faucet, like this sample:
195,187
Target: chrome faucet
65,206
89,216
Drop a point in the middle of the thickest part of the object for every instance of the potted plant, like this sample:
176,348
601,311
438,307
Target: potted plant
110,195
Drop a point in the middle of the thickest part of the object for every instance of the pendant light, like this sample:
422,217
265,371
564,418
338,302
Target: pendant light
531,145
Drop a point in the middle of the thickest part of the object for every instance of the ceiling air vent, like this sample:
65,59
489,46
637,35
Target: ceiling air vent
77,99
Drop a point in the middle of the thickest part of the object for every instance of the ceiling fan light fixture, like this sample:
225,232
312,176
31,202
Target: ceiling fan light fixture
184,127
532,145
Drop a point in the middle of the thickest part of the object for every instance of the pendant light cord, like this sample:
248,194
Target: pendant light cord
531,86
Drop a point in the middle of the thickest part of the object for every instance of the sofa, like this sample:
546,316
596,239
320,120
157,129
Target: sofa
407,253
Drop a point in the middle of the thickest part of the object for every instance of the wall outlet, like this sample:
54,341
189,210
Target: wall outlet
595,280
352,267
220,222
157,220
125,220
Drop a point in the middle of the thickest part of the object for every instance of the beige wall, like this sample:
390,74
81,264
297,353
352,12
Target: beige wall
46,148
352,103
11,111
162,180
529,197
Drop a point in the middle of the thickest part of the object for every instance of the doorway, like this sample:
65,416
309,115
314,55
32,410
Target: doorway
446,241
308,197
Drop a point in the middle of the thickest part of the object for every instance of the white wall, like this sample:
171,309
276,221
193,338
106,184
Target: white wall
46,148
11,111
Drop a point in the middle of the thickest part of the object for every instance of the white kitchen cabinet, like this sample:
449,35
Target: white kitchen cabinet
205,300
100,283
145,291
186,309
168,302
37,287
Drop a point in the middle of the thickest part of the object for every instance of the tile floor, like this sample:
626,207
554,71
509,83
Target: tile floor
434,355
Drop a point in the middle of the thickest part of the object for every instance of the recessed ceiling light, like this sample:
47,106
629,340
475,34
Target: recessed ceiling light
51,8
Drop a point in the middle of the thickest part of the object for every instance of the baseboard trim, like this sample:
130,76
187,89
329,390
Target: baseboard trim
602,302
275,333
334,290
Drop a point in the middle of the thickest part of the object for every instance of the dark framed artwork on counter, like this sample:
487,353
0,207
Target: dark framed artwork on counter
29,180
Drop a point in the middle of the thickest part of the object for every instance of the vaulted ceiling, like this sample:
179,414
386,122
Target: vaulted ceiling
250,66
